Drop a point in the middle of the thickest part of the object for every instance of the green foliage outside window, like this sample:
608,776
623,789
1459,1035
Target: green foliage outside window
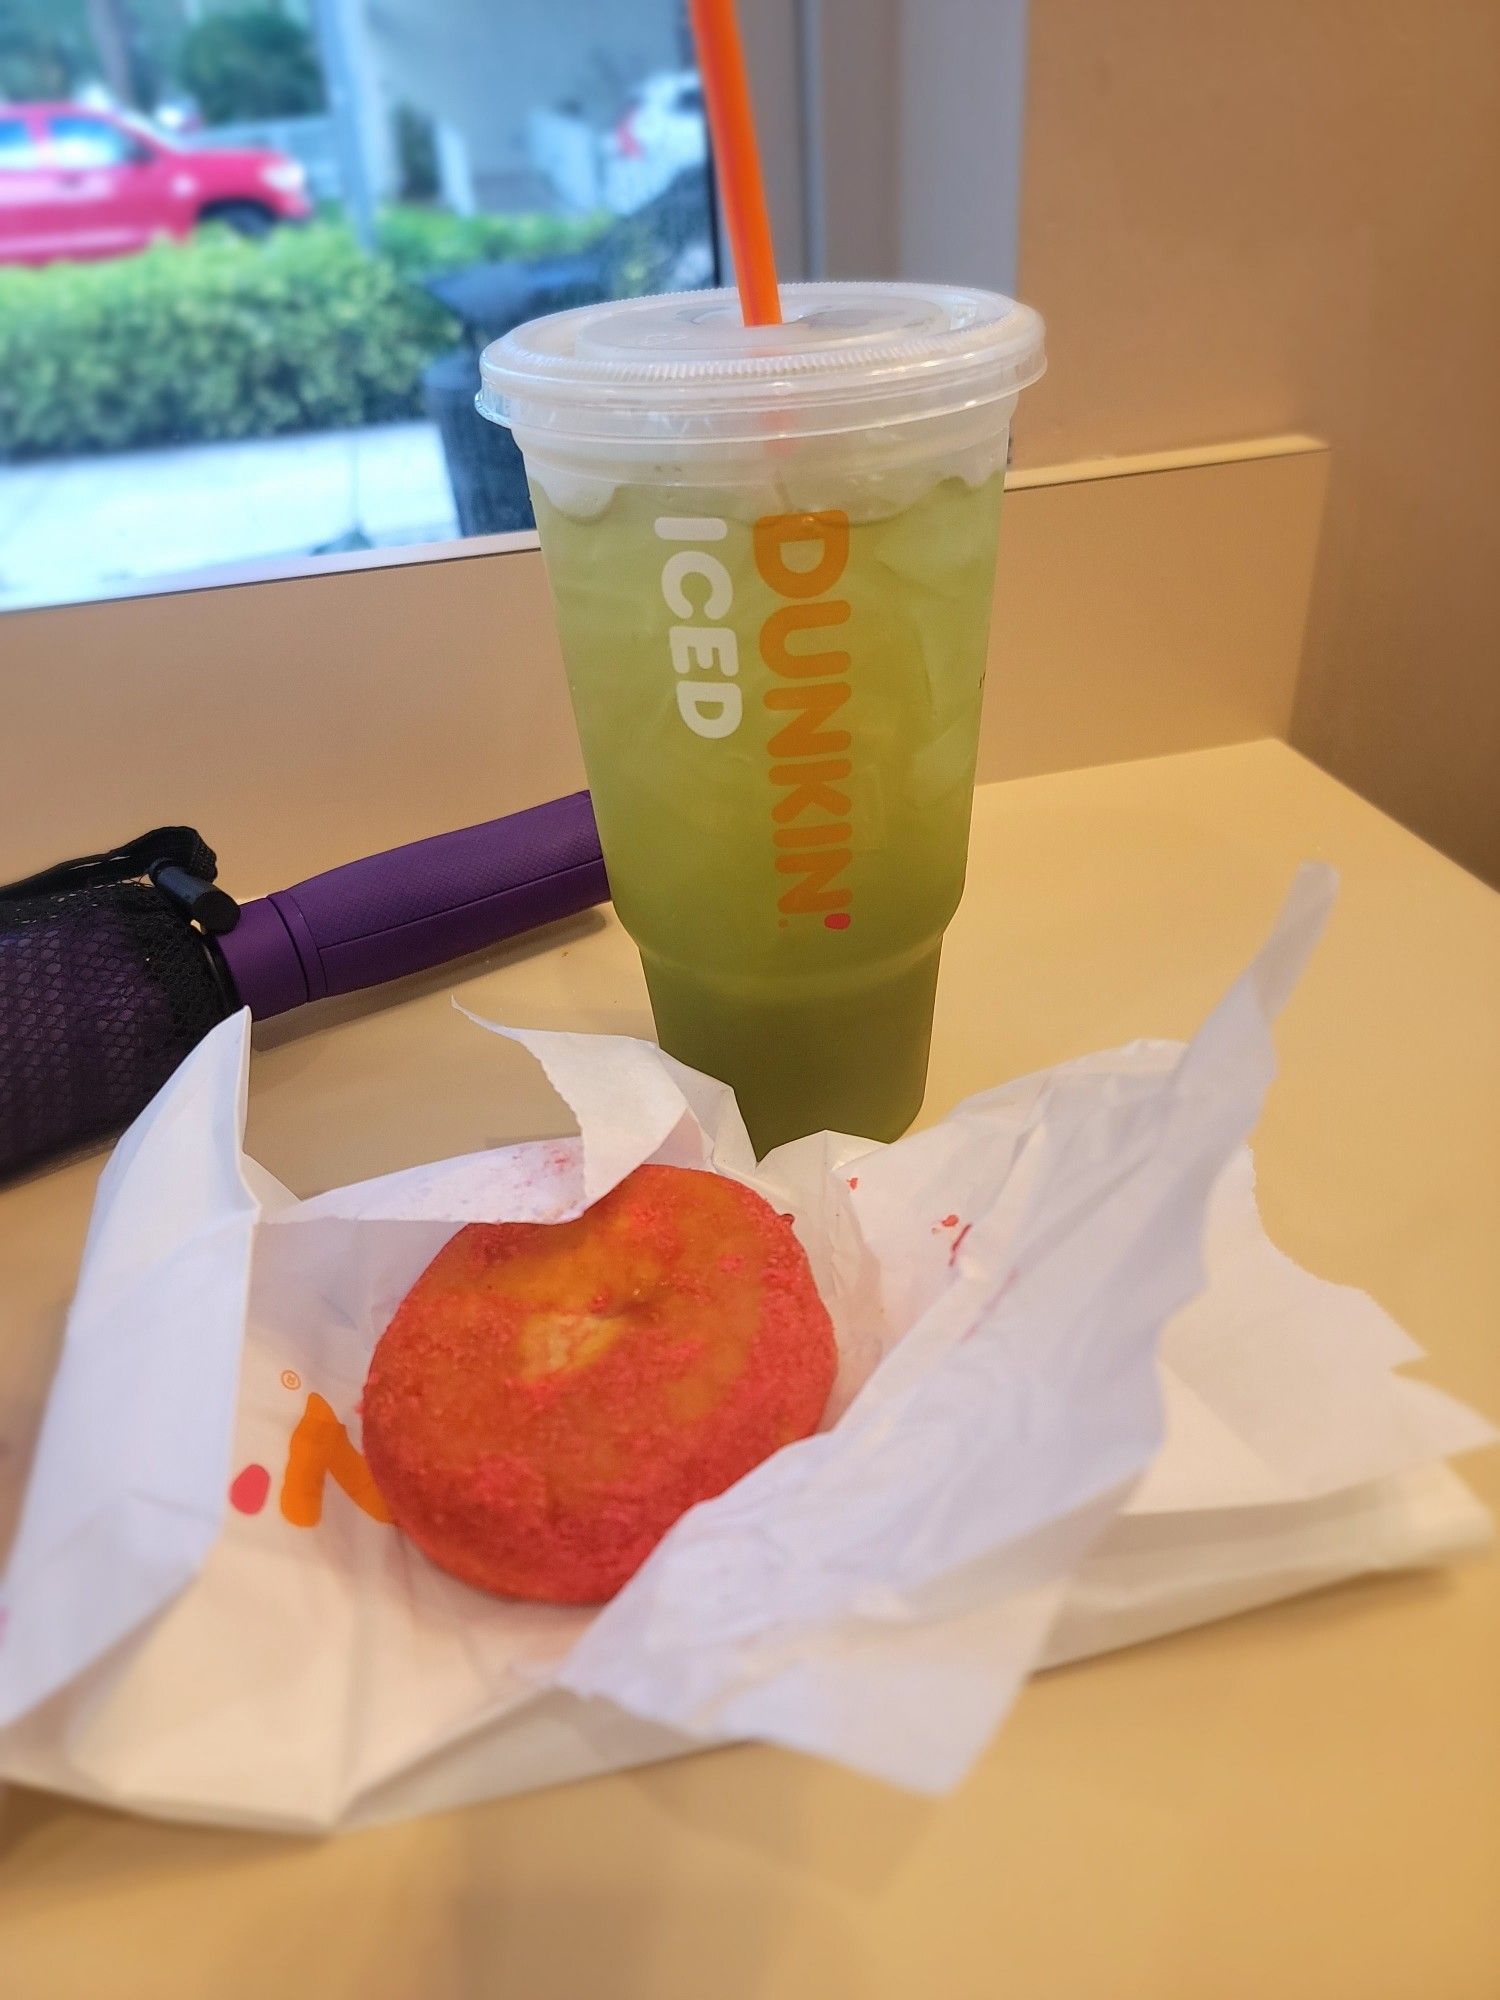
250,63
217,338
222,338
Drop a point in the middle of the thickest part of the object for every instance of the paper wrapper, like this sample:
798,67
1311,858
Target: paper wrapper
1030,1297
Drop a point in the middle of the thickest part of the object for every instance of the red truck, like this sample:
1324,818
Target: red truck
79,183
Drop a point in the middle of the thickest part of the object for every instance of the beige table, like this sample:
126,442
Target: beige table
1302,1802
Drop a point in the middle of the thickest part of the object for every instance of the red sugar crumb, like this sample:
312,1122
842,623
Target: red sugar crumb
854,1180
548,1399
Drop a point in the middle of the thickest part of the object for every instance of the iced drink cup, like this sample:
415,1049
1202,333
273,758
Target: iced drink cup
772,554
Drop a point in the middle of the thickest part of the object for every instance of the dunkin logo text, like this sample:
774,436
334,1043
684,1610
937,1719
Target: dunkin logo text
318,1450
802,558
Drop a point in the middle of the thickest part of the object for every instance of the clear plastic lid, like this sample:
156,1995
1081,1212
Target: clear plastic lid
686,366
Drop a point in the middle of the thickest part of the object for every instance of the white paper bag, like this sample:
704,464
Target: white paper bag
988,1491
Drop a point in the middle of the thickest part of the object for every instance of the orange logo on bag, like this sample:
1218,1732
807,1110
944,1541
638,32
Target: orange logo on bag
319,1450
809,761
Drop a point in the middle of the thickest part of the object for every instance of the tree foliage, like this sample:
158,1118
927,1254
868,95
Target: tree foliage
250,63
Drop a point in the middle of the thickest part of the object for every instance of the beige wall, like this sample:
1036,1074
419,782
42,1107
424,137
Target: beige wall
1287,215
352,712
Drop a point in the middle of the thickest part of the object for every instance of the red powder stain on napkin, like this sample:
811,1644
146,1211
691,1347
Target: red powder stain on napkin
958,1244
248,1490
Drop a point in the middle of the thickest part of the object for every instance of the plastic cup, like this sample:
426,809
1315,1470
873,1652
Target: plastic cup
772,551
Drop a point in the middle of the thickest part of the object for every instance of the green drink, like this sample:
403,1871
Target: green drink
773,594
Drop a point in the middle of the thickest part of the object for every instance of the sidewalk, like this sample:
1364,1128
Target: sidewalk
79,528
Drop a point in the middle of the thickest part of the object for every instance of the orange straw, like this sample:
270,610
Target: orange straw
721,63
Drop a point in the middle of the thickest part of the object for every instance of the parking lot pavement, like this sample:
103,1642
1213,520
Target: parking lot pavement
79,528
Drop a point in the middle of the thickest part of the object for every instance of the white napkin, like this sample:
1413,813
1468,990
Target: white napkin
989,1490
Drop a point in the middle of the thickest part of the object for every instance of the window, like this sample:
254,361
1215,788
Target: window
89,142
17,150
484,162
351,197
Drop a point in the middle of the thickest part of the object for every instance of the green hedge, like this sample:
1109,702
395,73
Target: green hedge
214,338
419,240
